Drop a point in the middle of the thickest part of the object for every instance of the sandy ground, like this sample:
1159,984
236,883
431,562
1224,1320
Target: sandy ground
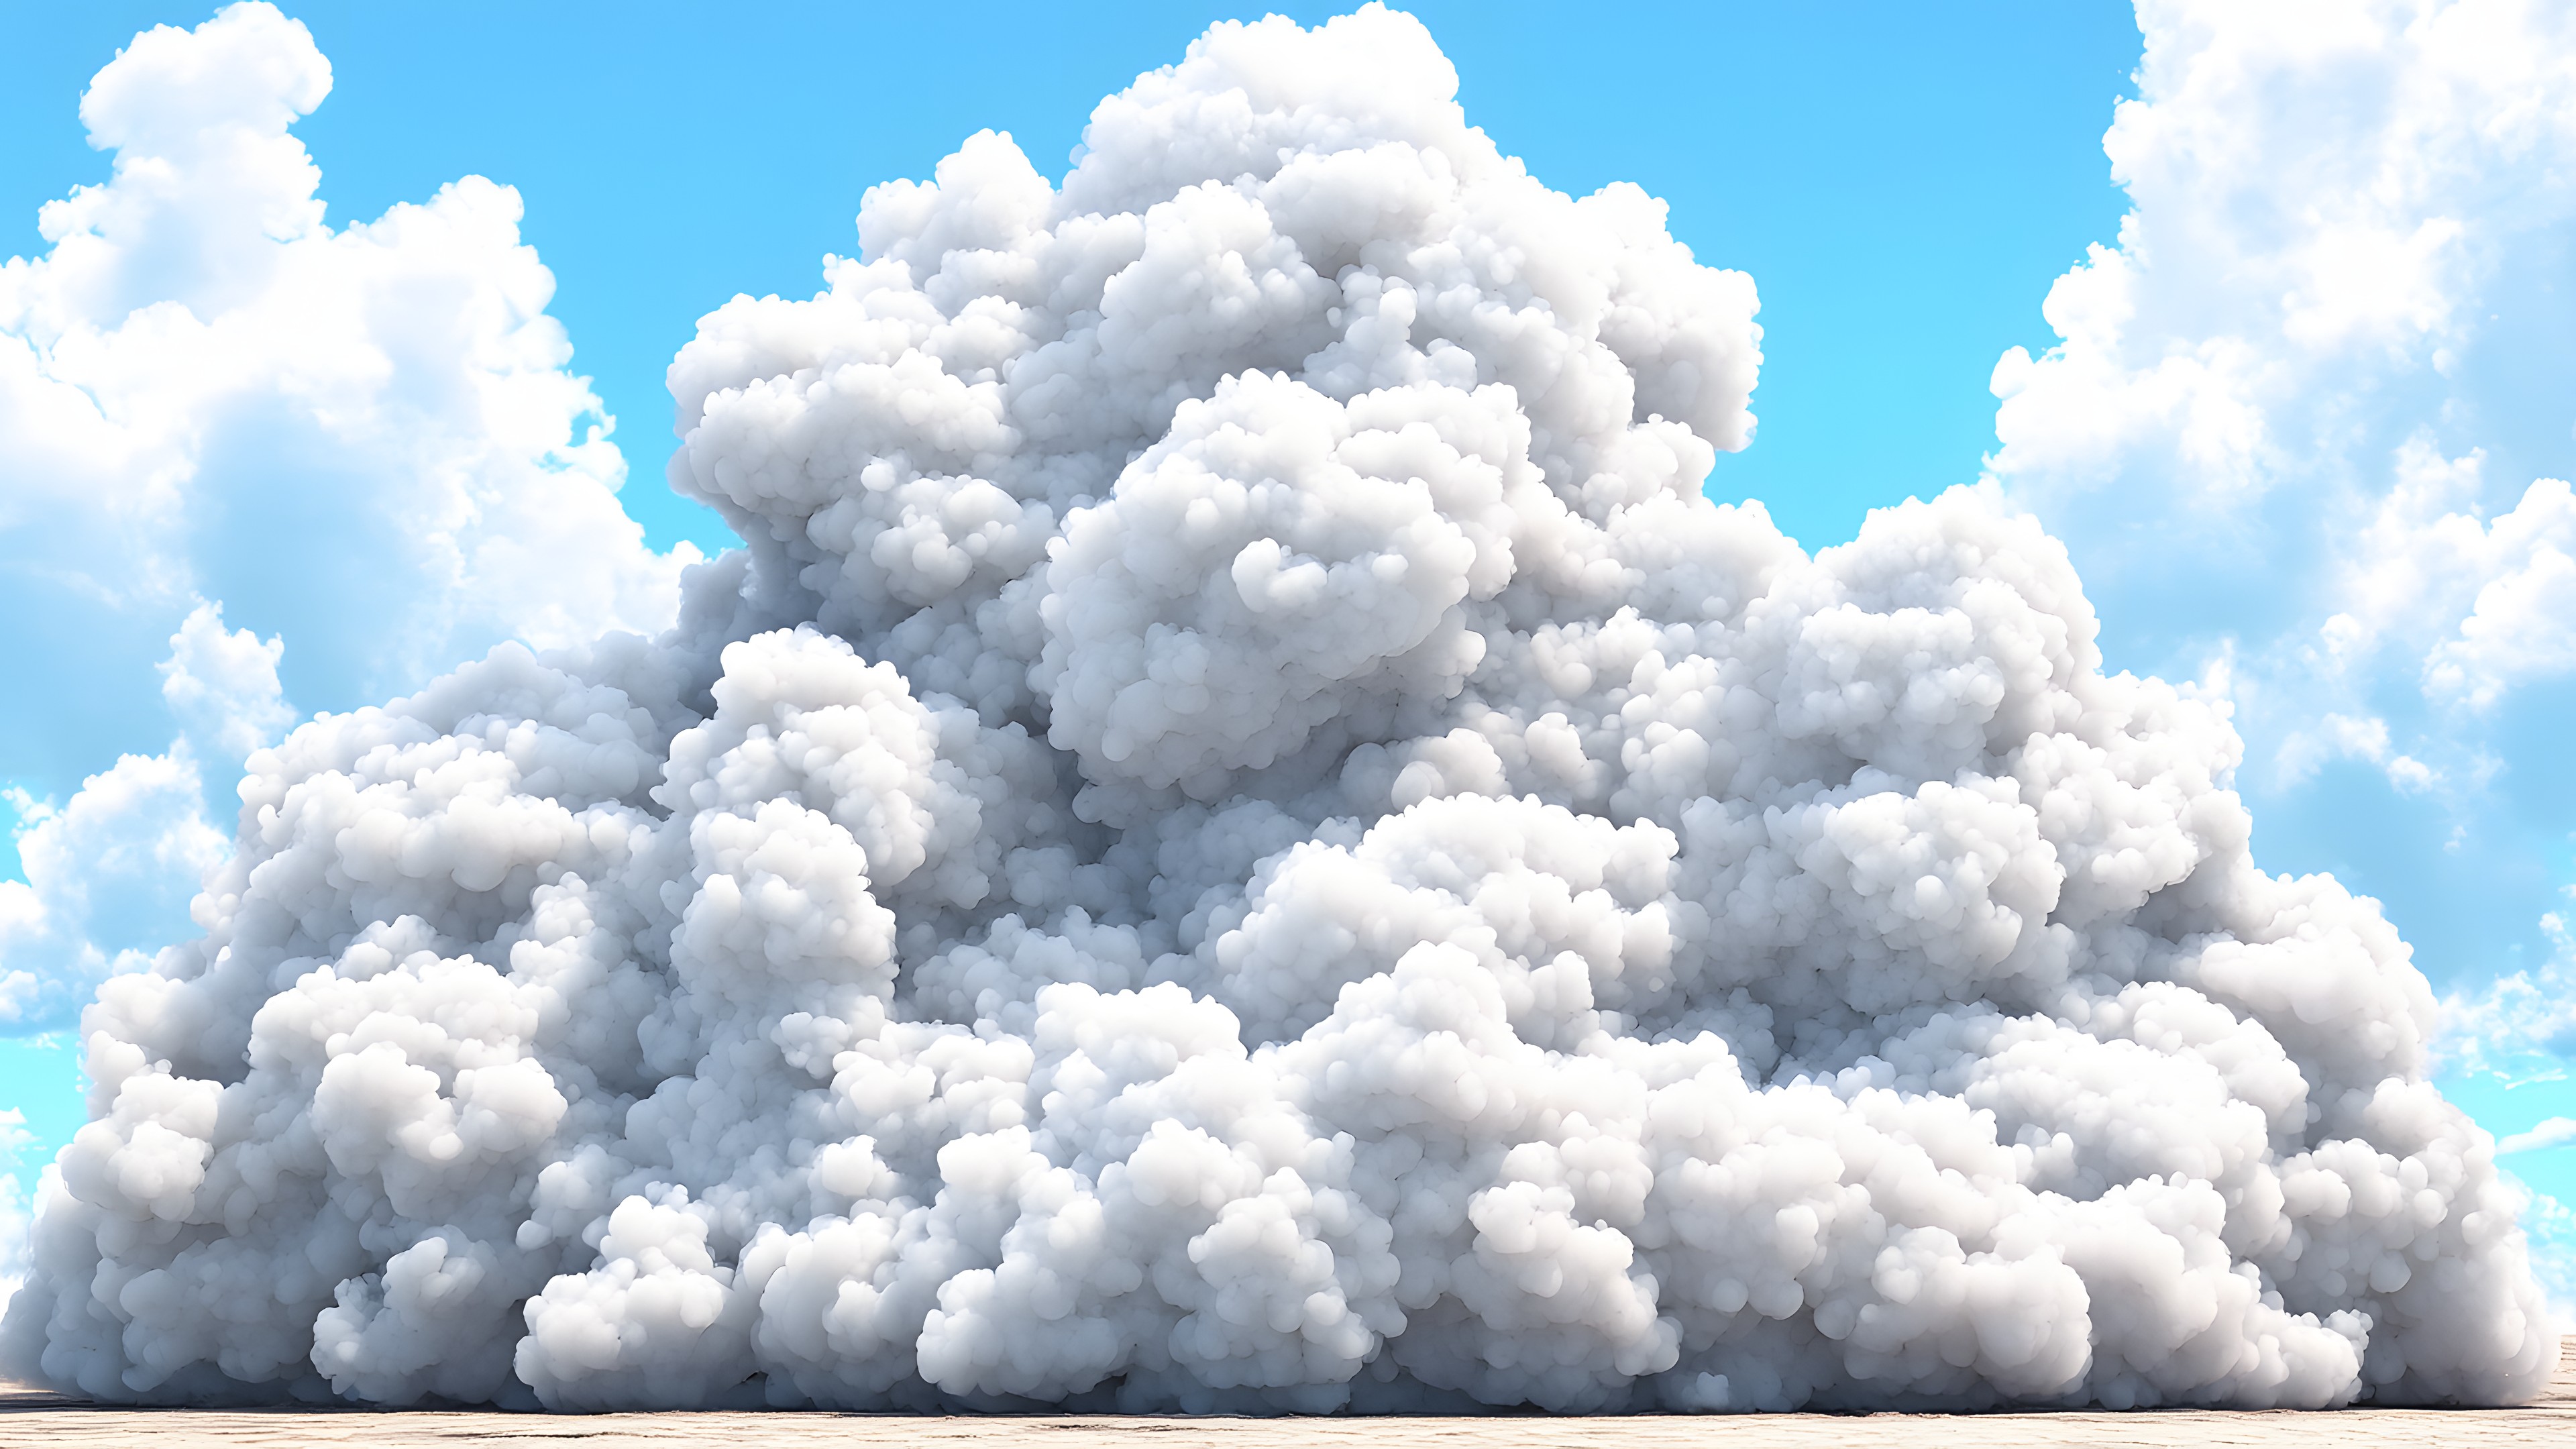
49,1420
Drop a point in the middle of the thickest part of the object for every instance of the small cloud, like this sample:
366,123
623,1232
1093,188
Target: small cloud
222,686
2348,737
2522,1026
2556,1132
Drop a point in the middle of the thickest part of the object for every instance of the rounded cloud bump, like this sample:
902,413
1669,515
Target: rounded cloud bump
1243,837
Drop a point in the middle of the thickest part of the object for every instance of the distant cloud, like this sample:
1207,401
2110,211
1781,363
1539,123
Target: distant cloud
109,875
2521,1026
222,687
364,442
1250,838
2291,404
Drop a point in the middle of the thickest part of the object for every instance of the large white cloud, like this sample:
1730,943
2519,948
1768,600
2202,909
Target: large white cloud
1243,835
361,440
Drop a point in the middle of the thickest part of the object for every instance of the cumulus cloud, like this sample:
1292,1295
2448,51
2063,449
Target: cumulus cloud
222,687
201,367
2517,627
200,355
2294,401
1242,836
2554,1132
2520,1026
109,876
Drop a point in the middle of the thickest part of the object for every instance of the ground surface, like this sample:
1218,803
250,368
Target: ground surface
51,1421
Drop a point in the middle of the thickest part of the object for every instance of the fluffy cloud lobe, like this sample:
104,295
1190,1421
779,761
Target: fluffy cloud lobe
1241,836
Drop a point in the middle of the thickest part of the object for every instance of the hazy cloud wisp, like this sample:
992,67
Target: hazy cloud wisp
201,369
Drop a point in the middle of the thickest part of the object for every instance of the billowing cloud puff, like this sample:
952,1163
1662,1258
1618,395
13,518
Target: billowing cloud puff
110,875
1243,836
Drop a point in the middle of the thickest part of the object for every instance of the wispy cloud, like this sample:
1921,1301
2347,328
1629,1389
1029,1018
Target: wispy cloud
2555,1132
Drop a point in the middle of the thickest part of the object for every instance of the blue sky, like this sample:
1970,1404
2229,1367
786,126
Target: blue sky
1905,184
